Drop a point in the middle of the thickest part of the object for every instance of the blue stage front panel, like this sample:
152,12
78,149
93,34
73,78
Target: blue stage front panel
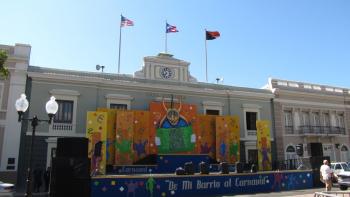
199,185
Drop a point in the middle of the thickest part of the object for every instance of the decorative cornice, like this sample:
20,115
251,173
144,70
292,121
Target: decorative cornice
212,103
64,92
119,96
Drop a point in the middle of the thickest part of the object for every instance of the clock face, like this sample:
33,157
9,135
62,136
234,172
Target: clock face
166,72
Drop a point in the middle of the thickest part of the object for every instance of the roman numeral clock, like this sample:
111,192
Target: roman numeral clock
166,72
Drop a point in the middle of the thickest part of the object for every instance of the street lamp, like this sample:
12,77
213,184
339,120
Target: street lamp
22,105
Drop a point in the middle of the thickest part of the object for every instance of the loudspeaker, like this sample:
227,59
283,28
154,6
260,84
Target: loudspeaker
189,168
299,150
180,171
224,168
76,147
203,168
253,168
239,167
70,177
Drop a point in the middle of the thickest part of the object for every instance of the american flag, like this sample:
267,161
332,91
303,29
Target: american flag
126,22
171,29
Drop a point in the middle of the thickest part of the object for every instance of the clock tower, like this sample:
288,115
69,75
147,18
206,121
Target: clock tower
165,67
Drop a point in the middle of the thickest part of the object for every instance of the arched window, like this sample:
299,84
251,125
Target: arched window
290,152
344,153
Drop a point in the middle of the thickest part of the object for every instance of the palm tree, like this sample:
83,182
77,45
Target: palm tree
4,72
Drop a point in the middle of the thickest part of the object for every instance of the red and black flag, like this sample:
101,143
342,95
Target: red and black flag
211,35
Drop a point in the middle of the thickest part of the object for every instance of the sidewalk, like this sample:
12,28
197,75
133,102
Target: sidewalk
294,193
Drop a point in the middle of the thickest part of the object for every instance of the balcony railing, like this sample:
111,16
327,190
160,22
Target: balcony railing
289,129
315,130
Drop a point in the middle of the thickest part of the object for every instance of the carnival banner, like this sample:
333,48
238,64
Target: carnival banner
203,185
205,132
96,126
141,135
124,138
110,150
264,144
227,139
172,122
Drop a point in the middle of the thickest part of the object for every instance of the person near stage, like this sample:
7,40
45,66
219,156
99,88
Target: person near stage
47,178
37,179
326,174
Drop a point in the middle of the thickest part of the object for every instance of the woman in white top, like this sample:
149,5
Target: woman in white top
326,175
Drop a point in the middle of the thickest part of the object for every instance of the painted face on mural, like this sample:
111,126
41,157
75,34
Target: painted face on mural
173,116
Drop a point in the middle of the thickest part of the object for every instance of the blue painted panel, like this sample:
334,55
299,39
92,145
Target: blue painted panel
199,185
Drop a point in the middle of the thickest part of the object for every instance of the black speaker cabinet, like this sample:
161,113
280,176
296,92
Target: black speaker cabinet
70,177
76,147
224,168
253,168
189,168
203,168
239,167
180,171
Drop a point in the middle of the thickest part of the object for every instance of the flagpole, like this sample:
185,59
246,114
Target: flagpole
166,38
120,43
206,56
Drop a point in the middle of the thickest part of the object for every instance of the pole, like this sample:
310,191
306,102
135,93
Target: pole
120,43
206,57
166,37
29,170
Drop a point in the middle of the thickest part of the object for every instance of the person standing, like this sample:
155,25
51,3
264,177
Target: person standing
326,175
37,178
47,178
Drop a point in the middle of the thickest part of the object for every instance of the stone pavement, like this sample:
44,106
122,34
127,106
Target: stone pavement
294,193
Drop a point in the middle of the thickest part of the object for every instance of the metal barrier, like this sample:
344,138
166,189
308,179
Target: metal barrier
332,194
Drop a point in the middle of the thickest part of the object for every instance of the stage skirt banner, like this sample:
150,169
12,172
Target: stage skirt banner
96,132
264,144
205,132
124,138
199,185
141,135
227,139
165,117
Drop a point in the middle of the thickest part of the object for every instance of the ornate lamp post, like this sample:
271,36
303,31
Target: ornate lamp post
21,107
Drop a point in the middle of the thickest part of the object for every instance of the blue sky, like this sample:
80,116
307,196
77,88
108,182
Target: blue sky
300,40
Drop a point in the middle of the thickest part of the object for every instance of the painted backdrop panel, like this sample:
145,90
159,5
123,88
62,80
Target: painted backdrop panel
110,153
205,132
141,134
124,138
173,133
227,138
264,144
96,126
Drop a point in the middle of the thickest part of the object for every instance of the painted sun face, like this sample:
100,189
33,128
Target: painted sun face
173,116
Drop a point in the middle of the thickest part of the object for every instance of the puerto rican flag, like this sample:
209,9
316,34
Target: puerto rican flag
170,28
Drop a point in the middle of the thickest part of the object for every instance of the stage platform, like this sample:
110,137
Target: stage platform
167,163
162,185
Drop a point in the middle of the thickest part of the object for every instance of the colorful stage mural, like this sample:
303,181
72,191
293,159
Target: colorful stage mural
100,132
264,144
124,137
227,138
205,129
176,134
172,124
